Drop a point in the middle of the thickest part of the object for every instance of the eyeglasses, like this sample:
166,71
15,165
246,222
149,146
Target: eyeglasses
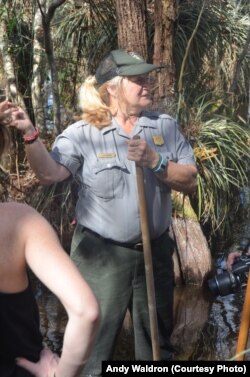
142,80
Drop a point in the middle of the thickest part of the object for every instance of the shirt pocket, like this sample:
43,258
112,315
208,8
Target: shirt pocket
108,180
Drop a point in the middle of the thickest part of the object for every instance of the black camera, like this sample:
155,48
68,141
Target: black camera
229,281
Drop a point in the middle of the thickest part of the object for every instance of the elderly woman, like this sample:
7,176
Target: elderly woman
116,131
28,241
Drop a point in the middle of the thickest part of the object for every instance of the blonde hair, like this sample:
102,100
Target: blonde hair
94,101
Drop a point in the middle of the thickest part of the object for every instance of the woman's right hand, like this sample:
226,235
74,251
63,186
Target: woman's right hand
21,121
6,110
45,367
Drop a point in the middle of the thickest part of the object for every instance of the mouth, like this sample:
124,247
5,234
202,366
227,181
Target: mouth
148,96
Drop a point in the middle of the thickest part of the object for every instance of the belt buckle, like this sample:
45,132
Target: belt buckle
138,246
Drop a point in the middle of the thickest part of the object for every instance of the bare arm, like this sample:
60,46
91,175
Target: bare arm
47,170
179,177
54,268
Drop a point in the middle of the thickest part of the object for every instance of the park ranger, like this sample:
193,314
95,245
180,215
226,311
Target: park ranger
115,131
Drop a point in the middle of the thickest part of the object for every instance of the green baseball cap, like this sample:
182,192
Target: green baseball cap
122,63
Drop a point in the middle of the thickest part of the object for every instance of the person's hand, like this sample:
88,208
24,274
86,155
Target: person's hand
140,152
45,367
21,121
231,259
6,110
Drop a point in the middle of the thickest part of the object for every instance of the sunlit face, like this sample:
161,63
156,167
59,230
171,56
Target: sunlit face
137,91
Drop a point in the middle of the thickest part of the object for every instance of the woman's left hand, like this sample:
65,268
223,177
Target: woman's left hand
142,154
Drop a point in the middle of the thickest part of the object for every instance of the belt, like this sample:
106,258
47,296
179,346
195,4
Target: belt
136,246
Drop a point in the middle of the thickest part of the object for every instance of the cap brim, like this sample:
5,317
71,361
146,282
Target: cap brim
138,69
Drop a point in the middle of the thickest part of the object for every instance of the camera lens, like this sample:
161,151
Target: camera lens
223,284
228,282
213,286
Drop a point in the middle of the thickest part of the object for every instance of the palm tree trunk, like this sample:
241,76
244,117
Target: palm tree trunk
46,20
12,92
192,257
38,67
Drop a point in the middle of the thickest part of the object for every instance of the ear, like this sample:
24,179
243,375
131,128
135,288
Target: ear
112,91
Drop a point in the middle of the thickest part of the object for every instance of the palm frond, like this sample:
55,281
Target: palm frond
222,151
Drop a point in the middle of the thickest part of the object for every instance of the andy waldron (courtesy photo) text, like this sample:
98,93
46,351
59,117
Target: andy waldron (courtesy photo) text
174,368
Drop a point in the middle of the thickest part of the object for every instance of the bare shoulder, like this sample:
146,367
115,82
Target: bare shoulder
20,225
14,207
15,216
11,212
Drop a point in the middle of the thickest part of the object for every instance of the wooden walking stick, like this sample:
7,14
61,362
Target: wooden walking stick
148,264
244,324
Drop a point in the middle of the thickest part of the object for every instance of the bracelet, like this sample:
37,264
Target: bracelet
30,139
158,165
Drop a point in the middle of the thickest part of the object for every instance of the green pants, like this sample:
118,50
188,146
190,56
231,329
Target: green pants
117,277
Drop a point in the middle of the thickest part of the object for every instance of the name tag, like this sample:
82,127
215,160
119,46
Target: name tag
106,155
158,140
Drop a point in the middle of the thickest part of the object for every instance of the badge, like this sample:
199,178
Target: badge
158,140
106,155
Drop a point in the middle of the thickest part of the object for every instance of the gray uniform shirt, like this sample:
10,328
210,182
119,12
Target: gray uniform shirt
108,198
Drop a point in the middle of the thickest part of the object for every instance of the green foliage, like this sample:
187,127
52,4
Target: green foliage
222,149
211,39
82,36
215,49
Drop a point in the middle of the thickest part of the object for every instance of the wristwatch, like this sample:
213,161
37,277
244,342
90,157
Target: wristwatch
164,162
161,165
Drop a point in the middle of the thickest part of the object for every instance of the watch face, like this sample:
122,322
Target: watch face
163,164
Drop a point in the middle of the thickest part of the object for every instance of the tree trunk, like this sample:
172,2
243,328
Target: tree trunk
191,312
165,15
12,92
193,261
192,257
132,26
46,20
38,70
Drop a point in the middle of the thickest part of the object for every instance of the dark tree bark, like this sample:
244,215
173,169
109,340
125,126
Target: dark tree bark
164,18
132,26
48,44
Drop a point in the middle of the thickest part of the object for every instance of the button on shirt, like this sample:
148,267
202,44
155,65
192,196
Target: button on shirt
108,198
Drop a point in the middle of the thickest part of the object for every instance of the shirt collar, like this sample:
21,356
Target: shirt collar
144,121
